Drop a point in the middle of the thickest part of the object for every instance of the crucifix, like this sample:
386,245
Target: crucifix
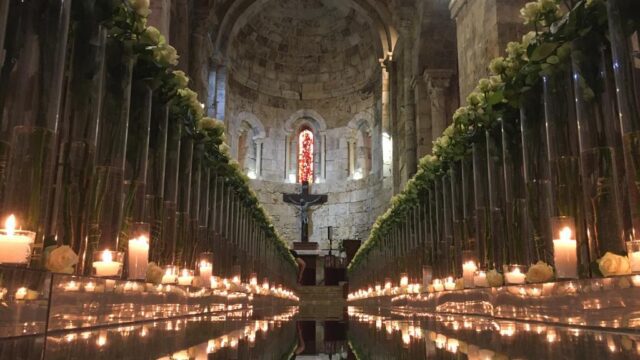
303,202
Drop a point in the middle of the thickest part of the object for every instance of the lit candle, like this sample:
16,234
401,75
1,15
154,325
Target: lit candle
265,285
437,285
480,279
468,270
107,267
633,249
21,293
138,257
449,283
90,287
404,280
236,279
170,275
72,286
15,245
565,255
515,276
186,276
206,271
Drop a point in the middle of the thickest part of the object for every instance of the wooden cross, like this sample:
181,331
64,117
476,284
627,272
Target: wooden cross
303,201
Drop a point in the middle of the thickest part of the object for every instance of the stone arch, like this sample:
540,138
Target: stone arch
360,145
298,121
246,140
315,120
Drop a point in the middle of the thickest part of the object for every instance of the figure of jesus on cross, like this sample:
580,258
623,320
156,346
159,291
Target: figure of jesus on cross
303,202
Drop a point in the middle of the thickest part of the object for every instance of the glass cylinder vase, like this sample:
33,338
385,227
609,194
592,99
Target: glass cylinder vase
31,80
170,206
495,179
481,203
155,185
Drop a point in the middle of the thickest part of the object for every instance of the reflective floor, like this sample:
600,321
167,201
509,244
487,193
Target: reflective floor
286,334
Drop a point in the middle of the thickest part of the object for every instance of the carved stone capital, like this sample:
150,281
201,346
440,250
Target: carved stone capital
438,79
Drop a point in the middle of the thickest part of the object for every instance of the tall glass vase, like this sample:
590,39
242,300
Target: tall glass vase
155,185
598,155
519,249
194,203
624,33
106,211
31,81
448,244
431,245
468,205
171,188
536,173
495,178
457,208
562,140
184,197
81,116
481,203
440,241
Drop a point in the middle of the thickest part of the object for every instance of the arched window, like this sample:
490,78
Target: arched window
305,156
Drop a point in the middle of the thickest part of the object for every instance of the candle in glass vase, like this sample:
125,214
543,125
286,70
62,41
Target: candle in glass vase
565,255
138,257
15,245
206,271
170,275
515,275
21,293
186,277
404,280
253,280
633,251
437,285
468,271
108,264
480,279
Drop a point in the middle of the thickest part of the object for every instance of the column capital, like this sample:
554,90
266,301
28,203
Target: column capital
438,79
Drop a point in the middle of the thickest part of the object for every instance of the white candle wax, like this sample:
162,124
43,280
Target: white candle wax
138,257
634,261
169,277
404,282
468,270
480,279
449,284
515,277
72,286
90,287
185,277
15,248
21,293
107,267
565,255
206,271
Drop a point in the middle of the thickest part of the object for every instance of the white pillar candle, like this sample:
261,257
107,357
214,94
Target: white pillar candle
634,260
480,279
138,257
169,276
15,246
107,267
437,285
21,293
468,270
565,255
186,277
515,276
404,281
449,284
206,271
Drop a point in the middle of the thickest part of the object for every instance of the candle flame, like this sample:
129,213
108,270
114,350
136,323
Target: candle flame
143,238
10,224
185,272
565,233
106,256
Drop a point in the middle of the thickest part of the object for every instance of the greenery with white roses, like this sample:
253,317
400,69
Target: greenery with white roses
155,61
543,51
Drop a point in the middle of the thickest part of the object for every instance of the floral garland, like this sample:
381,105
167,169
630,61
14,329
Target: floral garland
156,58
542,51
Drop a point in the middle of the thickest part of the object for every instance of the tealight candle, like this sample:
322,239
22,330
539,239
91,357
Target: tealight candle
565,255
15,245
108,265
404,280
468,271
437,285
186,277
72,286
633,250
90,287
253,280
170,275
480,279
449,283
138,257
514,275
265,285
427,275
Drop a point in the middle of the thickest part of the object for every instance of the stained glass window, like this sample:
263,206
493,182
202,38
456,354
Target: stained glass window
305,156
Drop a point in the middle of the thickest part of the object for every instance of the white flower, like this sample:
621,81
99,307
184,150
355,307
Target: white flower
530,12
61,260
540,272
181,79
224,148
494,278
166,54
154,273
152,35
612,264
208,123
141,7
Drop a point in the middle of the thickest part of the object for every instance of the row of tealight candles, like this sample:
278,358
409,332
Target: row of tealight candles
565,255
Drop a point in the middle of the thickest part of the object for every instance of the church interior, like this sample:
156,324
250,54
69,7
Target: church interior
319,179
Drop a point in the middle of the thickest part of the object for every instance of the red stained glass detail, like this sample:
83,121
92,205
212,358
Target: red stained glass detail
305,156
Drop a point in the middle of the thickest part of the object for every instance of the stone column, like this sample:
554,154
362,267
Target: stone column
411,159
221,88
180,30
352,156
323,155
258,169
438,82
386,116
287,157
160,16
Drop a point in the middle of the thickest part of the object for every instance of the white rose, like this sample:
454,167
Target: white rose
494,278
61,260
540,272
181,79
154,273
141,7
612,264
152,35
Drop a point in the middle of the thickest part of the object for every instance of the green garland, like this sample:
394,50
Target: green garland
542,51
155,60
